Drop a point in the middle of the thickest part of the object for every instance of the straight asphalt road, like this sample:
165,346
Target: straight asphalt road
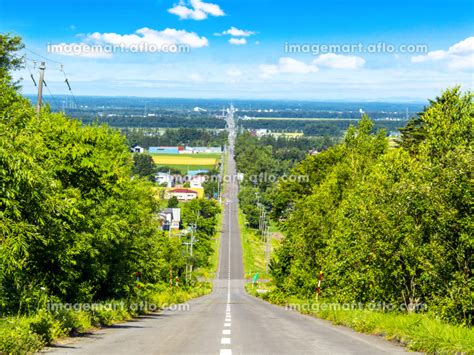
227,321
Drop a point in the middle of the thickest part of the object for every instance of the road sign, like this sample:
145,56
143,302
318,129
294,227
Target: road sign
255,278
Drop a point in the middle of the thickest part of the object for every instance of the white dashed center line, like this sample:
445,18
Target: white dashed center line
227,322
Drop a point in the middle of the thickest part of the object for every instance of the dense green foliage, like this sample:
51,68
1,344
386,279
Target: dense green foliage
9,60
163,119
201,216
263,161
174,137
144,166
73,225
386,225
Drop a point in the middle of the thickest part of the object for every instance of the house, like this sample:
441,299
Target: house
137,149
181,194
164,178
171,218
197,181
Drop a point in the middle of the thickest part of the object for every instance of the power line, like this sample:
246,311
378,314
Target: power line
66,80
51,94
35,62
31,75
61,69
43,57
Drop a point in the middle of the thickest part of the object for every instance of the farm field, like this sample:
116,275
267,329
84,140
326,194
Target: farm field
185,168
185,162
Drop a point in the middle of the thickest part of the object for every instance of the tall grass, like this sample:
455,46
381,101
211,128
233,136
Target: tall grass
417,331
26,334
253,249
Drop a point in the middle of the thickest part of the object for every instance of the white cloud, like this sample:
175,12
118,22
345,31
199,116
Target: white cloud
337,61
460,56
238,41
286,65
465,62
238,36
147,39
434,55
196,10
464,47
293,66
235,32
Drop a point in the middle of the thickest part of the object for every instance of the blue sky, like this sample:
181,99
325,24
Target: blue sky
236,49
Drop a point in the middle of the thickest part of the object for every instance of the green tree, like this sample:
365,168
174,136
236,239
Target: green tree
211,187
144,166
201,215
72,221
173,202
9,59
386,225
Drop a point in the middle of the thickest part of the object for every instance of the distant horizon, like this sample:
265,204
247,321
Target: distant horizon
415,101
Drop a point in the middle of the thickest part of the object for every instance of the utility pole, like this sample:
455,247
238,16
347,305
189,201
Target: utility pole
268,241
191,254
266,237
186,275
189,246
39,101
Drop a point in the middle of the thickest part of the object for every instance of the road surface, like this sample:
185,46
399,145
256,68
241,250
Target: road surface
227,321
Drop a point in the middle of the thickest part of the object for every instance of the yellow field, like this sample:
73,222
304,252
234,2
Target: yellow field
183,160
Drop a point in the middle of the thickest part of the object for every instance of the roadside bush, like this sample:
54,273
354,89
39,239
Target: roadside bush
16,337
46,326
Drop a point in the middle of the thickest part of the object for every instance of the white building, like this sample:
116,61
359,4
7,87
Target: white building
181,194
172,217
197,181
164,178
137,149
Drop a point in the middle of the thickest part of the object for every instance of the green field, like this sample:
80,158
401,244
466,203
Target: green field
185,162
184,168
